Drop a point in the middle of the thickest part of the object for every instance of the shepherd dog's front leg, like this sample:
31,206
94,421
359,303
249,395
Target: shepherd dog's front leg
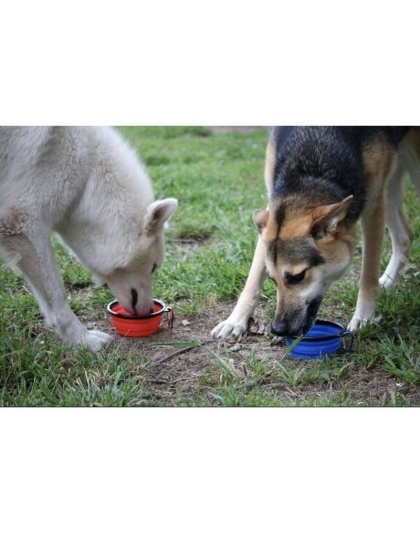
237,322
373,228
400,231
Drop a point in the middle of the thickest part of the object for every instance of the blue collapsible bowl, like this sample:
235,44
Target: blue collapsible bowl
323,339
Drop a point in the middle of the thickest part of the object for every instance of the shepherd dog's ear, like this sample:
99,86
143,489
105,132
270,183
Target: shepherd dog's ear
260,219
325,219
158,213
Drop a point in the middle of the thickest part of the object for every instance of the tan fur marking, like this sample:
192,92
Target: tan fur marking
270,161
261,219
297,224
270,232
296,269
338,246
379,159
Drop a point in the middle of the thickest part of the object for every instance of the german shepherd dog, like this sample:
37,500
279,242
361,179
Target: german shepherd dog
321,181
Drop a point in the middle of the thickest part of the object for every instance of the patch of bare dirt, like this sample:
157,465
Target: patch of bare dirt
375,383
176,371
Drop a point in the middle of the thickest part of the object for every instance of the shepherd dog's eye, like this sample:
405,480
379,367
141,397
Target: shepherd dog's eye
154,268
295,278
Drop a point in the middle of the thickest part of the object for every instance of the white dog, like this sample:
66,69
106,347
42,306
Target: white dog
86,184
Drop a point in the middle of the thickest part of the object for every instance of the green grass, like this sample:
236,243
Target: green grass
218,179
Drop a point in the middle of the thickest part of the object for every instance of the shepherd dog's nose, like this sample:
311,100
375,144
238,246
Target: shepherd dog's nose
279,328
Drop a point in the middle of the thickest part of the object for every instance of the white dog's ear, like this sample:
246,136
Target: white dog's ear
158,213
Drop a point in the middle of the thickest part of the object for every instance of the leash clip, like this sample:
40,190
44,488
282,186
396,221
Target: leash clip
347,350
171,316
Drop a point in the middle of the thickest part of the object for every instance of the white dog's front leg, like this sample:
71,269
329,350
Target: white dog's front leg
237,322
74,334
34,258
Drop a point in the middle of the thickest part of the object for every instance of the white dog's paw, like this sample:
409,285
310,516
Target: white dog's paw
96,340
230,328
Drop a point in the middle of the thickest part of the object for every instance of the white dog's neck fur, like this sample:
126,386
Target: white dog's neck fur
116,174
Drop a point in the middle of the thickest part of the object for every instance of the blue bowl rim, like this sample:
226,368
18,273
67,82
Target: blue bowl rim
322,338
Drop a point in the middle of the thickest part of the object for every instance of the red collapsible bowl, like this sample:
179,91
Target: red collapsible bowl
135,325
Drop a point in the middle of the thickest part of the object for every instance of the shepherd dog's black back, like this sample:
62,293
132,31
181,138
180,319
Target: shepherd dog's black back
326,162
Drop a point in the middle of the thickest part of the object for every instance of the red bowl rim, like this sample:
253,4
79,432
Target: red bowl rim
137,317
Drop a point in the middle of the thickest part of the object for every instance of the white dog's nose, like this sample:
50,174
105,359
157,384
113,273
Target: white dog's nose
143,310
134,298
140,309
